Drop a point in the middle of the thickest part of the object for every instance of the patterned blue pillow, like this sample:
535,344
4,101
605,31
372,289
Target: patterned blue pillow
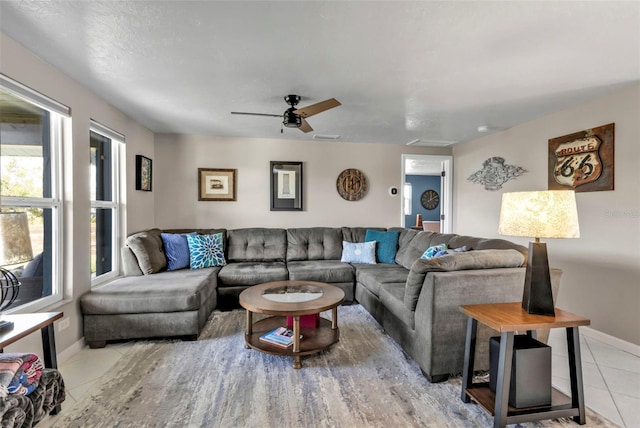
206,251
387,244
359,252
176,249
432,251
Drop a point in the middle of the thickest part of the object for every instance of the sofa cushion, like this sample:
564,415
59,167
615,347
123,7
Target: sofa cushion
176,250
257,245
359,252
314,243
205,251
330,271
147,247
252,273
372,279
479,259
392,297
357,234
387,244
174,291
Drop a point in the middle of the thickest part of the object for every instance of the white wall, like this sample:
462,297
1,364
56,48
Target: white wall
601,277
21,65
180,156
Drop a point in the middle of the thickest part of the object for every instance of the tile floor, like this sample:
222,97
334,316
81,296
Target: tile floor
611,376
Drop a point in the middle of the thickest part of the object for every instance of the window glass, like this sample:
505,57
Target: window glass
104,203
30,226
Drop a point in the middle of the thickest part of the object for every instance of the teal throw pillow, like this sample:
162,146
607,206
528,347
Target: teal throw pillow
451,251
359,252
432,251
176,248
387,244
206,251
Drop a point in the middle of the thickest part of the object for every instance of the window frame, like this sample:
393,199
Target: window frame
59,117
117,142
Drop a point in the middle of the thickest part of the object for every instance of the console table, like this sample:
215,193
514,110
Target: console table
508,318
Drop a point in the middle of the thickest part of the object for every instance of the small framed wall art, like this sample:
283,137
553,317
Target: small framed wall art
217,184
143,173
286,186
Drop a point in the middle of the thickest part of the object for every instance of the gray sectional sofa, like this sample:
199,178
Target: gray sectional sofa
415,300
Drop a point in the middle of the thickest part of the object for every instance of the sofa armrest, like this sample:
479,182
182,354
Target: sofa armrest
471,260
441,324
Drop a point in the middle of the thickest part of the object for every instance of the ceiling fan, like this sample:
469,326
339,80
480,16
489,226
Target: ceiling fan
295,118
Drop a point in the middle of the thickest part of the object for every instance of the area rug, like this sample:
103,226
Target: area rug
364,380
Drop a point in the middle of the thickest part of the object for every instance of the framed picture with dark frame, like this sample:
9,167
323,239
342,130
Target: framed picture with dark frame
143,173
286,186
217,184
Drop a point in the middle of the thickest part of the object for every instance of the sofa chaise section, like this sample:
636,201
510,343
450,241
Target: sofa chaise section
173,303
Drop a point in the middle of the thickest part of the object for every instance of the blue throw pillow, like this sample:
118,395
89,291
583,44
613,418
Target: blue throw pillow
359,252
206,251
387,244
176,249
432,251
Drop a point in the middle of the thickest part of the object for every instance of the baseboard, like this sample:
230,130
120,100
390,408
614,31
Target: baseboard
70,351
611,340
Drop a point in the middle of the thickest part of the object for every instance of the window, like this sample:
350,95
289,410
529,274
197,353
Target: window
31,135
407,195
104,148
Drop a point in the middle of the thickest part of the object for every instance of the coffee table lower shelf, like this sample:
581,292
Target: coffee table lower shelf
561,405
313,340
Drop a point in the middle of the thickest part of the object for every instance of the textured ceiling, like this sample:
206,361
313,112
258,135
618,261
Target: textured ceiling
432,71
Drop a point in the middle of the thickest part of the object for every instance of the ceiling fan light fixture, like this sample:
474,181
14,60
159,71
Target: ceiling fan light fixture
290,119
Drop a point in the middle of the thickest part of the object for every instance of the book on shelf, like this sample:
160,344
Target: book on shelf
280,336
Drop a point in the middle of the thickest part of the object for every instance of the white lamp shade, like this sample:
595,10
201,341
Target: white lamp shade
543,214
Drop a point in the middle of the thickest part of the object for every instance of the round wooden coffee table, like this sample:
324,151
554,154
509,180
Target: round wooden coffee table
292,298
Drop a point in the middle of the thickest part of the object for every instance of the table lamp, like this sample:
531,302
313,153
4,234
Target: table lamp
15,248
543,214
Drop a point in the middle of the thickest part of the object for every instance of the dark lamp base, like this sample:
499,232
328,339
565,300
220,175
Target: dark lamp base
537,297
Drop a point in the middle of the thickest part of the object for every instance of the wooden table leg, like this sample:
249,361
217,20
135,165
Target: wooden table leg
575,374
334,318
469,354
504,380
296,342
248,328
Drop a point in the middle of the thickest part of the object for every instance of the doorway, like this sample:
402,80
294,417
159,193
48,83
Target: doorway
427,179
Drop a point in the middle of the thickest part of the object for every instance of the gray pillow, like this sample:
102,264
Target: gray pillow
479,259
147,247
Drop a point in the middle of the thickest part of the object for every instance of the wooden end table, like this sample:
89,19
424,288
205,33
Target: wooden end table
24,325
507,318
292,298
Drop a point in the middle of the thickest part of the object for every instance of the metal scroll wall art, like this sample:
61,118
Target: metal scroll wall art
495,172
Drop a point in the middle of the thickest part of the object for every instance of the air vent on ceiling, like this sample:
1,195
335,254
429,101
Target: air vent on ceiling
325,137
432,143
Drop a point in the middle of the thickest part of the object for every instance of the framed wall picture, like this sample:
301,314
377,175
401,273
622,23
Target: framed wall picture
143,173
286,186
217,184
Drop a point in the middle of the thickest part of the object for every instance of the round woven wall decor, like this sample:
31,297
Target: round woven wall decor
352,184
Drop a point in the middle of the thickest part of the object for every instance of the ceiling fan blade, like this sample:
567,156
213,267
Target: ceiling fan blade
257,114
305,127
317,108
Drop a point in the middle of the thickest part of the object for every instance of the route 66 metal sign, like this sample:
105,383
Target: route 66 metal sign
582,161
